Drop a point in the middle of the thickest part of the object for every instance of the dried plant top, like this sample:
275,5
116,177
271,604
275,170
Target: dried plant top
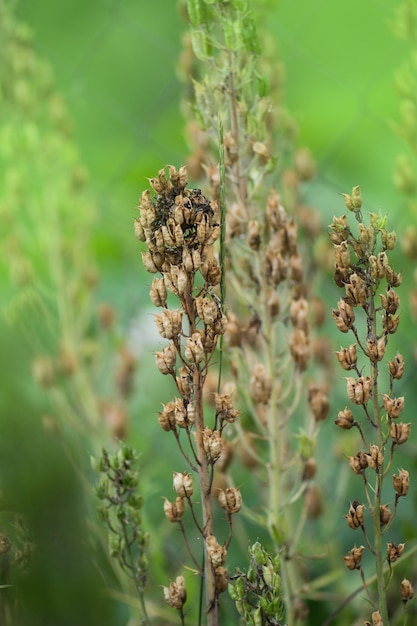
177,225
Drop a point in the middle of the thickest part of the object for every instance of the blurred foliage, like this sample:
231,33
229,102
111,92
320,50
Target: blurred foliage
115,67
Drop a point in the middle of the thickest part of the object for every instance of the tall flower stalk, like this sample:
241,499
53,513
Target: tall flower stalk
369,311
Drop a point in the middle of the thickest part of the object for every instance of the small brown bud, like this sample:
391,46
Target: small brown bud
385,514
393,406
348,357
399,432
376,620
175,595
215,552
260,384
230,499
353,558
394,552
313,501
319,403
407,591
300,348
355,517
174,510
401,483
345,419
309,469
396,367
183,484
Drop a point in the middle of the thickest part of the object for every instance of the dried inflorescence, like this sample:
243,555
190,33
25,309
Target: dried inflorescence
180,227
369,310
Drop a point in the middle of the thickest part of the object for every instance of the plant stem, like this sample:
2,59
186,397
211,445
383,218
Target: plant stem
379,564
212,606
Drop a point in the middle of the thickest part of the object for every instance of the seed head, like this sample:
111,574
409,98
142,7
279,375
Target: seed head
399,432
407,591
393,406
385,514
260,384
175,595
345,419
348,357
216,553
344,316
353,558
230,500
401,482
394,552
396,367
319,403
174,510
183,484
355,516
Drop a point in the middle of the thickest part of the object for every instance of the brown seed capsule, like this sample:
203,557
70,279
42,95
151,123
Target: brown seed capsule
407,591
358,463
394,552
393,406
213,443
309,469
319,403
175,595
230,499
313,501
260,384
390,302
169,323
385,514
299,348
221,579
376,348
358,390
183,484
215,552
376,620
396,367
166,418
348,357
299,314
353,558
390,323
174,510
401,483
345,419
224,408
399,432
194,349
375,457
355,516
165,360
344,316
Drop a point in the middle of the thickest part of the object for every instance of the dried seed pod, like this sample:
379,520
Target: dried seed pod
166,418
399,432
319,402
225,410
158,292
309,469
394,551
355,516
215,552
358,391
385,514
345,419
375,457
230,500
175,595
221,579
401,482
390,302
183,484
344,316
260,384
358,463
396,367
174,510
393,406
169,323
299,348
254,237
348,357
213,443
353,558
313,500
194,349
166,359
407,591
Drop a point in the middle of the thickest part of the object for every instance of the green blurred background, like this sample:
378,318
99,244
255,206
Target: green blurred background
115,63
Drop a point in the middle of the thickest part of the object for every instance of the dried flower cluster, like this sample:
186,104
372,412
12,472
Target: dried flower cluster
180,226
369,310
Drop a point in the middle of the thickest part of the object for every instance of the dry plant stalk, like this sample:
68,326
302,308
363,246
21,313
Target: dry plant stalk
369,311
180,227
